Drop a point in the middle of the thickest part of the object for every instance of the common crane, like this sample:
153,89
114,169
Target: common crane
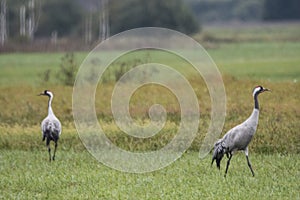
51,126
239,137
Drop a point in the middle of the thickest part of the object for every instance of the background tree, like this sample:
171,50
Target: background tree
218,11
128,14
65,17
281,9
3,26
104,25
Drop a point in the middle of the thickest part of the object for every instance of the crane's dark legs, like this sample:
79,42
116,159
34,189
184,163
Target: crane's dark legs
249,164
49,149
248,161
228,162
53,158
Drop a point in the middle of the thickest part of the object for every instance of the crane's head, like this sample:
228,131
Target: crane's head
259,89
46,93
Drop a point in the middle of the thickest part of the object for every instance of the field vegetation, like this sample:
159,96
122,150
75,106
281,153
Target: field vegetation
245,60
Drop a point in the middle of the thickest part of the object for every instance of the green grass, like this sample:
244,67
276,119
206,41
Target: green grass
27,68
275,61
259,61
77,175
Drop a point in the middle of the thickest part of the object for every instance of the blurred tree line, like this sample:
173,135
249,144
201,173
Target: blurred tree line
227,10
65,18
245,10
70,17
281,9
173,14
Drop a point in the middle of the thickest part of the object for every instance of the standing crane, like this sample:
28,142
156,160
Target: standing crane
51,127
239,137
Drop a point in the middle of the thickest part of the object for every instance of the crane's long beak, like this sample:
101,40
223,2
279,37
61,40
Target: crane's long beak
41,94
267,90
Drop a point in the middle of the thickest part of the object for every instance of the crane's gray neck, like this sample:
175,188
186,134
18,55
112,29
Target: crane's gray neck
256,105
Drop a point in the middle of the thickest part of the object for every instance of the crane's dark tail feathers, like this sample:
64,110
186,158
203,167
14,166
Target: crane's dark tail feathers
218,153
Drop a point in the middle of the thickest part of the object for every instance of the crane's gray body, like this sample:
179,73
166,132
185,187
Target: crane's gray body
239,137
51,128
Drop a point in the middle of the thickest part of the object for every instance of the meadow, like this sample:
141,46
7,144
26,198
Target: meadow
245,59
76,175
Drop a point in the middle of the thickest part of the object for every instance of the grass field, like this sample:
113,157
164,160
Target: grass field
253,60
245,58
76,175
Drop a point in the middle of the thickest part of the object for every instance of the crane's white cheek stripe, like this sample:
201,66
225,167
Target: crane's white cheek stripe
155,72
255,91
